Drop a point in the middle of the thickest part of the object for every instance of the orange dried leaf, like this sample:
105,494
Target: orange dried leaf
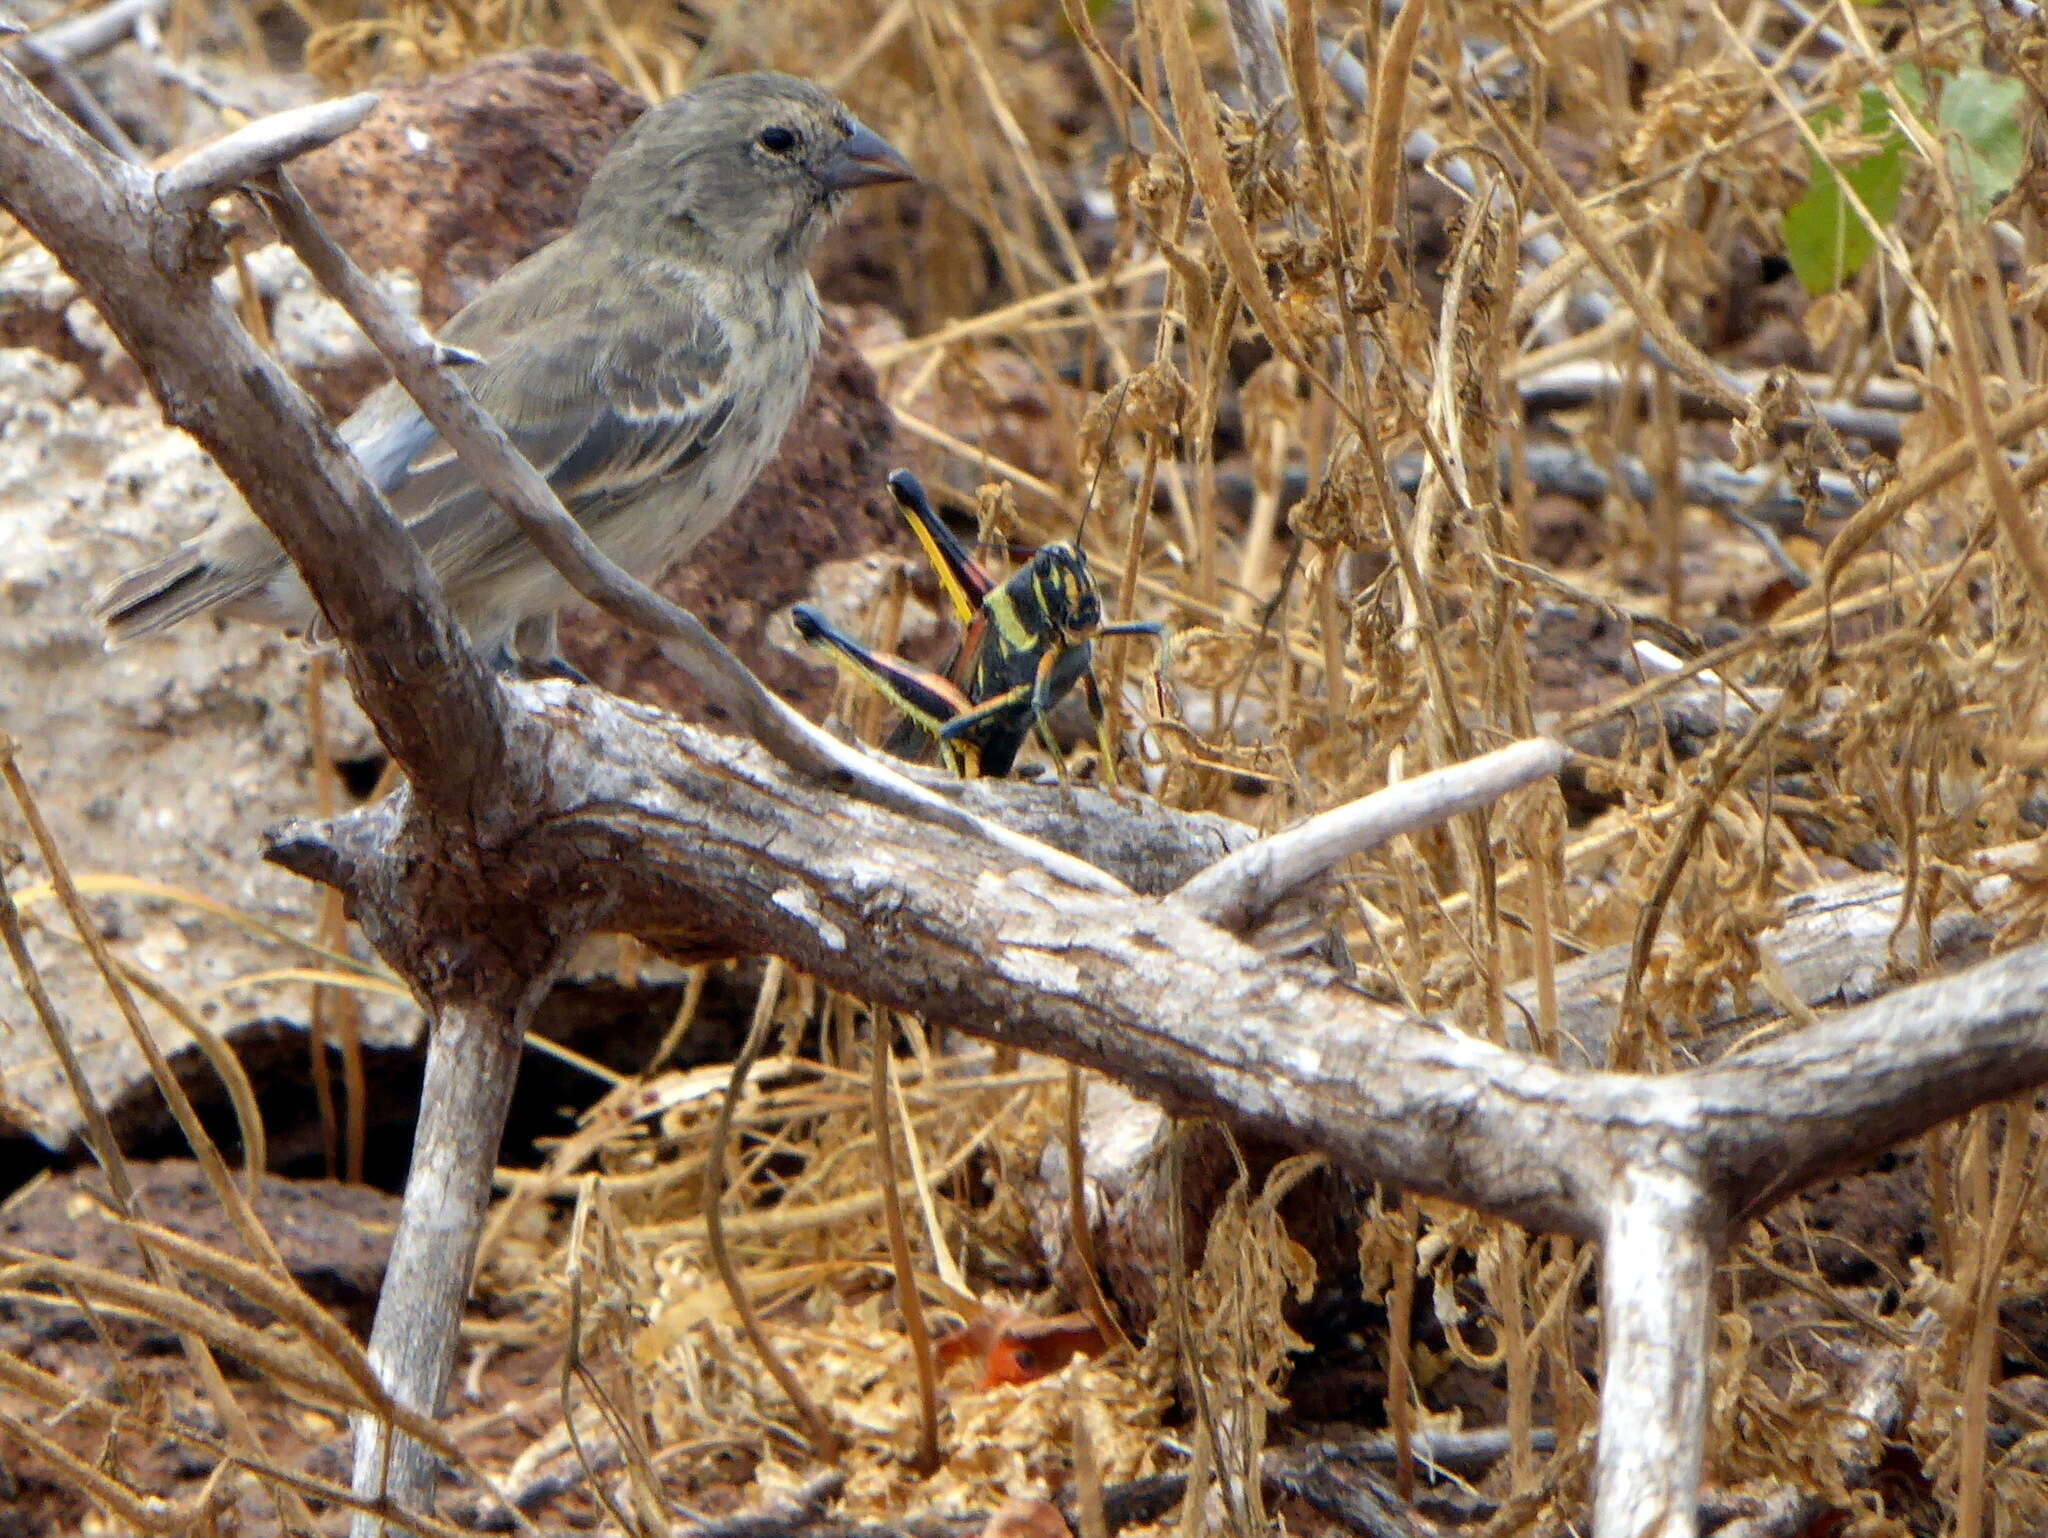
1018,1348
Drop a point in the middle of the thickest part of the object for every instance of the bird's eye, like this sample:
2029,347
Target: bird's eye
778,140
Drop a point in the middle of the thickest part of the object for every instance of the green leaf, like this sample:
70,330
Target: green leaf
1826,240
1913,86
1979,121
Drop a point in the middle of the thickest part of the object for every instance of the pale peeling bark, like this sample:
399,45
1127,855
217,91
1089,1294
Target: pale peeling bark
467,1093
1656,1319
538,813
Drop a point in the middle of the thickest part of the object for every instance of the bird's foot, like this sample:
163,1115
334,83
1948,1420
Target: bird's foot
508,663
551,667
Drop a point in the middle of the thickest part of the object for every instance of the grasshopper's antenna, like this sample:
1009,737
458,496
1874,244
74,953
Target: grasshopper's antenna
1123,394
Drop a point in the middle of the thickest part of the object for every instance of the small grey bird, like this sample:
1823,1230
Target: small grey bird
647,363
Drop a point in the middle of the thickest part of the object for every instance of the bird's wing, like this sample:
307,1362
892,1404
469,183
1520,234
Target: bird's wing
600,397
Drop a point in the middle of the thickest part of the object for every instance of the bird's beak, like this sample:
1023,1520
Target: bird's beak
866,159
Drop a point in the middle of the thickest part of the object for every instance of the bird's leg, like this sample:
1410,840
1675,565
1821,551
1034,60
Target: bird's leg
536,651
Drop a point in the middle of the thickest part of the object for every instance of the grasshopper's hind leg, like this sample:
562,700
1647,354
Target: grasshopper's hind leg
926,699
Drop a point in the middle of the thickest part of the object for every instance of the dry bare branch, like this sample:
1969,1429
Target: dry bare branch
672,820
148,271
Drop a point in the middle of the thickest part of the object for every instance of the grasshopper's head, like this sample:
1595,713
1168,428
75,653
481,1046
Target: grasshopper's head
1066,592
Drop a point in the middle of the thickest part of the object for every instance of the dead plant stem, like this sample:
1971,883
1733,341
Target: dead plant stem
824,1437
928,1456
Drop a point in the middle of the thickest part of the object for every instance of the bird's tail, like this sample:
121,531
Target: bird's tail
150,601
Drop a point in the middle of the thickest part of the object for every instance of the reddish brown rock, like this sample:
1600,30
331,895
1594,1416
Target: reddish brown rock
1564,533
457,178
334,1238
999,402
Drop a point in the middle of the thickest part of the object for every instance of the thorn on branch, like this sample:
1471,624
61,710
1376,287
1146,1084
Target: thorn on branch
313,850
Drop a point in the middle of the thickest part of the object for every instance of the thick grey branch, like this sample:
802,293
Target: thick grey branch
1879,422
1814,1102
710,849
470,1075
1765,496
1656,1307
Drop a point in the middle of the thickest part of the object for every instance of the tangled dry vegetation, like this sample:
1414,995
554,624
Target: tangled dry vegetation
1290,353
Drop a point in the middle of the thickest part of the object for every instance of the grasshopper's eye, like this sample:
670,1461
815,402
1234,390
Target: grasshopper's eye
777,140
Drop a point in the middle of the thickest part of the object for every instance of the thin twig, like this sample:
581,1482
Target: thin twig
78,97
77,38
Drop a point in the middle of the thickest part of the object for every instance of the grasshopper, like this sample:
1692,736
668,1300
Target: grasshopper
1029,639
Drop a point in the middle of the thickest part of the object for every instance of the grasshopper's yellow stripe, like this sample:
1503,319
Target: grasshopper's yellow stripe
1015,631
963,604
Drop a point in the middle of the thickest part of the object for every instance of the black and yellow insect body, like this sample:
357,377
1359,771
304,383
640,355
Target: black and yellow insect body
1029,639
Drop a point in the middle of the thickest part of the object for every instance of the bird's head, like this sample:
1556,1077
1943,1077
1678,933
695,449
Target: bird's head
748,168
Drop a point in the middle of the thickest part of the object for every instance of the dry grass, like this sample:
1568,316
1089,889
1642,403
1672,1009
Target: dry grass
1258,307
